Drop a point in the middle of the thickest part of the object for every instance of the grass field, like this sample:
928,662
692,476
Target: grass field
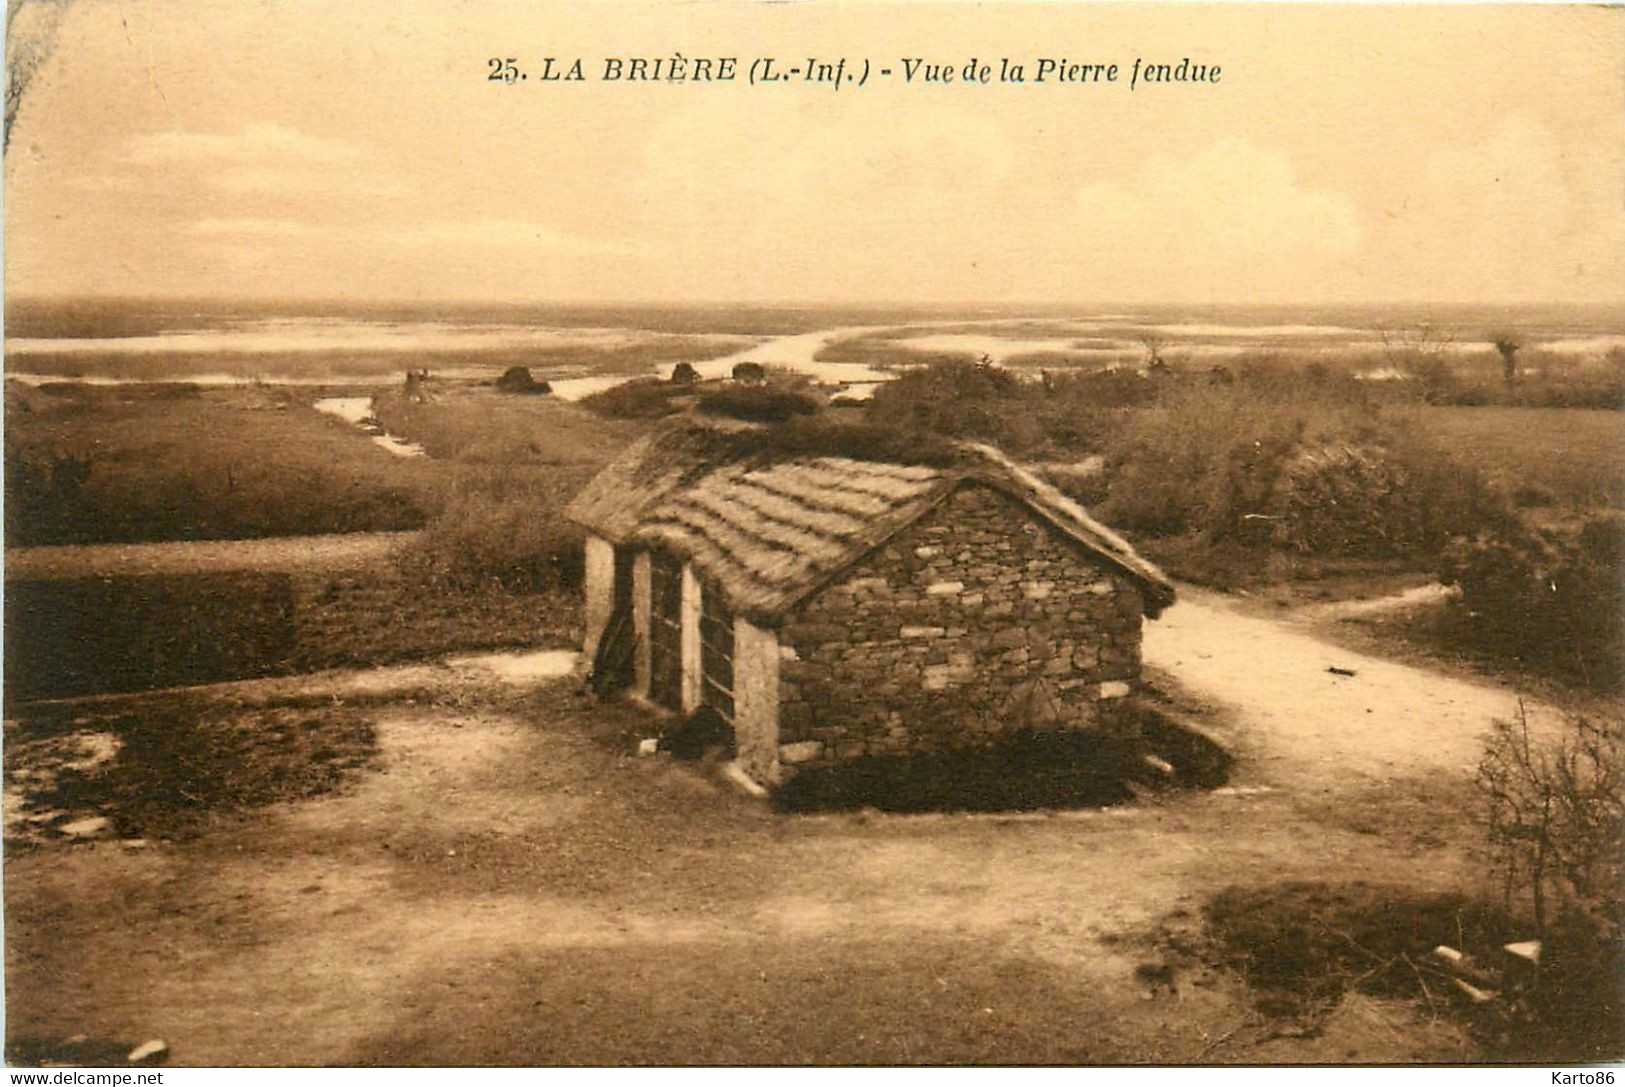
481,426
493,565
98,465
93,464
1575,456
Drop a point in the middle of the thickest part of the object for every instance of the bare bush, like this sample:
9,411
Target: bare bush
1555,820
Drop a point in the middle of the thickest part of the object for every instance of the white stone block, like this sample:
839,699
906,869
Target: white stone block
945,588
923,632
805,751
1114,688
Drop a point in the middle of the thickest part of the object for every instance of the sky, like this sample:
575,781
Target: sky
283,148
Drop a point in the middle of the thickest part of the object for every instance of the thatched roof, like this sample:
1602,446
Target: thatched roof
774,530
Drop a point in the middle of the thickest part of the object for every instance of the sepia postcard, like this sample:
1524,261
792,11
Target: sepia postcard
813,534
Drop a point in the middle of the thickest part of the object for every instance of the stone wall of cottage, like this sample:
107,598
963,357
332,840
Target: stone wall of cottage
976,622
599,591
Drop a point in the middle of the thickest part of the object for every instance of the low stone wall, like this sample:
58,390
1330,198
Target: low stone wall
67,637
977,622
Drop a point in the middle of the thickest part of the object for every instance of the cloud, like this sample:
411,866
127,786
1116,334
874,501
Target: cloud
1231,199
265,160
499,233
1511,214
807,198
790,169
258,143
523,245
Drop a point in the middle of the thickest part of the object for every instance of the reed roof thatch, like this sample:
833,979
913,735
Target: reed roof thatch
771,530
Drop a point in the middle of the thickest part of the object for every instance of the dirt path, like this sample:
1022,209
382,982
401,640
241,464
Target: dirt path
1311,726
508,886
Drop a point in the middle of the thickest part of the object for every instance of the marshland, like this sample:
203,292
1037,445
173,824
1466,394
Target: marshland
247,705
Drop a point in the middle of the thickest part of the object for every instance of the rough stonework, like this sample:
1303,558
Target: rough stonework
832,609
978,621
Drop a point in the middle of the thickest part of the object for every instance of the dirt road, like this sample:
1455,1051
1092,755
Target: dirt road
506,885
1316,714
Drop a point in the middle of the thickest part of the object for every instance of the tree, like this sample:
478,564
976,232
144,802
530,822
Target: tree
1154,362
1507,345
1420,355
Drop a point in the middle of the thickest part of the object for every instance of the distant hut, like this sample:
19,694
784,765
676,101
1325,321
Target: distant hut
684,374
830,608
517,379
749,373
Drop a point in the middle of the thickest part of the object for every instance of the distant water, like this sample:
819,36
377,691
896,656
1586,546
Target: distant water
358,412
323,349
586,349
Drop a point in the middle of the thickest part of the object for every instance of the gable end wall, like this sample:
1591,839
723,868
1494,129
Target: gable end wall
976,622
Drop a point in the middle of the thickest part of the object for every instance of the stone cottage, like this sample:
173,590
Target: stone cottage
831,608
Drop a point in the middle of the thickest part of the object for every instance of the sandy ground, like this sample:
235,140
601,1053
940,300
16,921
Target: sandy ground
1373,719
508,887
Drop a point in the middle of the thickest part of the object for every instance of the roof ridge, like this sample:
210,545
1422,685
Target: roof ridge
772,531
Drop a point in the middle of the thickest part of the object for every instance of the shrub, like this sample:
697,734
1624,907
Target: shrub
1275,461
644,398
95,634
1533,496
1555,820
961,399
1341,499
42,493
1380,501
1104,388
758,404
819,436
1206,458
1061,415
1544,595
1302,946
506,529
518,379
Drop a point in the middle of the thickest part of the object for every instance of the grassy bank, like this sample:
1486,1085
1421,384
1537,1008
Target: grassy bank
1573,457
99,465
493,566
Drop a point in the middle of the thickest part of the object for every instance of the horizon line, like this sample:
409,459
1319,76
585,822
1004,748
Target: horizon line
24,297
